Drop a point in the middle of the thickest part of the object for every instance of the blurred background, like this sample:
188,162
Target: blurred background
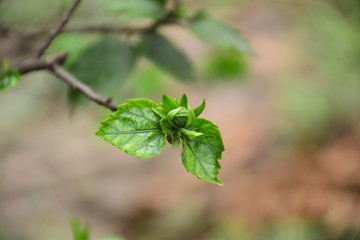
289,118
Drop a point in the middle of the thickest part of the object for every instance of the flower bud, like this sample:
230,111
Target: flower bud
180,117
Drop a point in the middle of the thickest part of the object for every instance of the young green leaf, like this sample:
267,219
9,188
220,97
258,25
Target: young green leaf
219,34
163,53
8,80
138,9
160,111
169,103
79,232
184,101
190,134
201,155
135,129
104,66
200,108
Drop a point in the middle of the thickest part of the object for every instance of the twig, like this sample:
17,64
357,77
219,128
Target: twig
36,64
57,29
64,75
53,64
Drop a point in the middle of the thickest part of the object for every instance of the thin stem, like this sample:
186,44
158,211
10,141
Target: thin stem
64,75
57,29
37,64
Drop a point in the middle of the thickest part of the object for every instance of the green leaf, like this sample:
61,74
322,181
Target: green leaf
138,9
9,79
135,129
163,53
79,232
190,134
200,108
184,101
169,103
160,111
219,34
201,155
103,66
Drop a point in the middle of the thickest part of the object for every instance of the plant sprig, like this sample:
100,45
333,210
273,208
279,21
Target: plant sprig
140,127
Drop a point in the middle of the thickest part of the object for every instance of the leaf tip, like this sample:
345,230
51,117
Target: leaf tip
200,108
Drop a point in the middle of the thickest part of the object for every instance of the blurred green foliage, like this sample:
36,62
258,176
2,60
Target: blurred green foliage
224,66
73,43
8,78
219,34
138,9
150,81
162,52
319,104
103,66
79,232
82,232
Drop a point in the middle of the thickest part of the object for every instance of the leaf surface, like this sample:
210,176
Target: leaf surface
201,155
219,34
164,54
135,129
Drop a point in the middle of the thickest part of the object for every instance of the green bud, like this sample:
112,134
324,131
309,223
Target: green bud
178,117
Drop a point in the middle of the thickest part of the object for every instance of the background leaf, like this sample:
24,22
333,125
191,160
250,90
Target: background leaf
224,66
219,34
163,53
103,66
137,9
79,232
135,129
9,80
201,155
74,43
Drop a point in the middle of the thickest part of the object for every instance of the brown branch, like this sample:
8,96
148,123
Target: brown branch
64,75
57,29
36,64
53,64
